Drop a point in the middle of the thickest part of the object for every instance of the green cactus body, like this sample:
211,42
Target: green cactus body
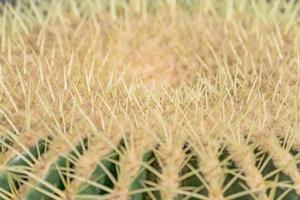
99,176
17,167
139,182
55,177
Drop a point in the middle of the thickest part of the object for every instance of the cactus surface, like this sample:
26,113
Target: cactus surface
141,99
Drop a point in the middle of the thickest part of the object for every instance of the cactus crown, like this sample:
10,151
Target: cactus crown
147,99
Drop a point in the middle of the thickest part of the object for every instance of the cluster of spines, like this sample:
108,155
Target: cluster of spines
26,148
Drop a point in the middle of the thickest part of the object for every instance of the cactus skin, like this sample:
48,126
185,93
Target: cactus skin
55,175
176,99
99,176
139,181
9,180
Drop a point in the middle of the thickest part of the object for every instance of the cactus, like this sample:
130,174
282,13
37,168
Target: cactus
166,99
